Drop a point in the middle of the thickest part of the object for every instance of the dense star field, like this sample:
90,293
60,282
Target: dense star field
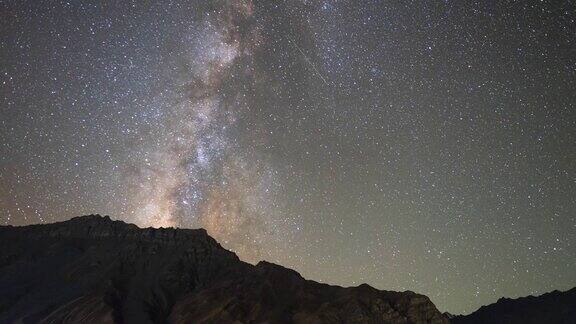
412,145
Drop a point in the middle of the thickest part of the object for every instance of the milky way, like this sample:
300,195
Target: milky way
200,176
411,145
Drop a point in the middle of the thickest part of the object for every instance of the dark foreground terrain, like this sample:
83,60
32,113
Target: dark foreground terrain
94,270
555,307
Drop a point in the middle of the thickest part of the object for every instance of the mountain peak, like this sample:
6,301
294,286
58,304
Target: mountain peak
95,269
97,227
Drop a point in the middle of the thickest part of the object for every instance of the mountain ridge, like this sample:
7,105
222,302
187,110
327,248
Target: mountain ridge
551,307
94,269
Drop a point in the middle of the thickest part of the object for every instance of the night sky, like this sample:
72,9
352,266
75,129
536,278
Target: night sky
412,145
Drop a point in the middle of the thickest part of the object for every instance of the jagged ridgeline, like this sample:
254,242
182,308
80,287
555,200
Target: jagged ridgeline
94,270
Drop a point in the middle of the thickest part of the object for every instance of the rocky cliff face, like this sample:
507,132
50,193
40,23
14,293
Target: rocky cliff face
555,307
94,270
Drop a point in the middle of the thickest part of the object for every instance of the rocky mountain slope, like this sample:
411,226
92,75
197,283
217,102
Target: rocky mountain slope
94,270
555,307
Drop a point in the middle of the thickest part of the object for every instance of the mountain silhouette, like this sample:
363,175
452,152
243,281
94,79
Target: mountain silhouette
554,307
92,269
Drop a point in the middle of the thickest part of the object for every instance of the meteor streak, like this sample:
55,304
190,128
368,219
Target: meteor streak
309,61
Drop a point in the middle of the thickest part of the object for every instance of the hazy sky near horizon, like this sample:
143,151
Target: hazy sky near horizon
412,145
